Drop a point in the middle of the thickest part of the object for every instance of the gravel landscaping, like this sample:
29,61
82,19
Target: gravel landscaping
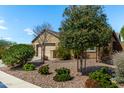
46,81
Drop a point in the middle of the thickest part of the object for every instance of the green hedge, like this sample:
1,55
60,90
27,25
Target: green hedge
18,55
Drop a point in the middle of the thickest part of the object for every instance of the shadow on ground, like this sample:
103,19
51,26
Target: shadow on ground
37,62
94,68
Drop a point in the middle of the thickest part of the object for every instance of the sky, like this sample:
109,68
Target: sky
17,22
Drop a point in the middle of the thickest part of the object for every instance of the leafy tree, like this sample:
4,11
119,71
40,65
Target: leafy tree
84,27
122,32
37,31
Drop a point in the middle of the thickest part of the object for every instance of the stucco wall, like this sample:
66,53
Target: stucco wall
91,55
50,39
48,49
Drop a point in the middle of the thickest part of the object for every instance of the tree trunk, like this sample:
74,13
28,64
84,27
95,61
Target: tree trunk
85,62
81,63
77,64
43,54
99,55
96,54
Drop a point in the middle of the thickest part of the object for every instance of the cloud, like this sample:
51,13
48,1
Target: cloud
2,25
29,31
7,38
2,21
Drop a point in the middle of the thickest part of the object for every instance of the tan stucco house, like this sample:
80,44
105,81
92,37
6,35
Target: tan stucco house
51,39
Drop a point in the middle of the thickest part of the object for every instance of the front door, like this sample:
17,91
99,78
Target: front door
54,53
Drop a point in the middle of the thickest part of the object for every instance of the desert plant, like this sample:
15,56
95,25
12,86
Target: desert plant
63,74
63,53
44,70
103,77
118,60
18,55
29,67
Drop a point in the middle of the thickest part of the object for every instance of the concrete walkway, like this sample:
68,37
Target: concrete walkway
13,82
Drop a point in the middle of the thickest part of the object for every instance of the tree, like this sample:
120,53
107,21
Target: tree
122,32
37,31
84,27
6,43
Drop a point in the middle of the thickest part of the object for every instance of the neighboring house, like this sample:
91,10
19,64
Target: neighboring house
116,42
52,39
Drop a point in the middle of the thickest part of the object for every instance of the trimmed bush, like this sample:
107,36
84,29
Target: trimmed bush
63,53
18,55
44,70
118,60
62,71
103,78
29,67
63,74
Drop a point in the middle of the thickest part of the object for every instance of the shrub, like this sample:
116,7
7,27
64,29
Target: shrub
44,70
62,71
103,78
118,60
63,74
18,55
4,45
29,67
99,76
62,77
90,83
2,50
63,53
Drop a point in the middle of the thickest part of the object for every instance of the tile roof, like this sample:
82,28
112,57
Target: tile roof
56,34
